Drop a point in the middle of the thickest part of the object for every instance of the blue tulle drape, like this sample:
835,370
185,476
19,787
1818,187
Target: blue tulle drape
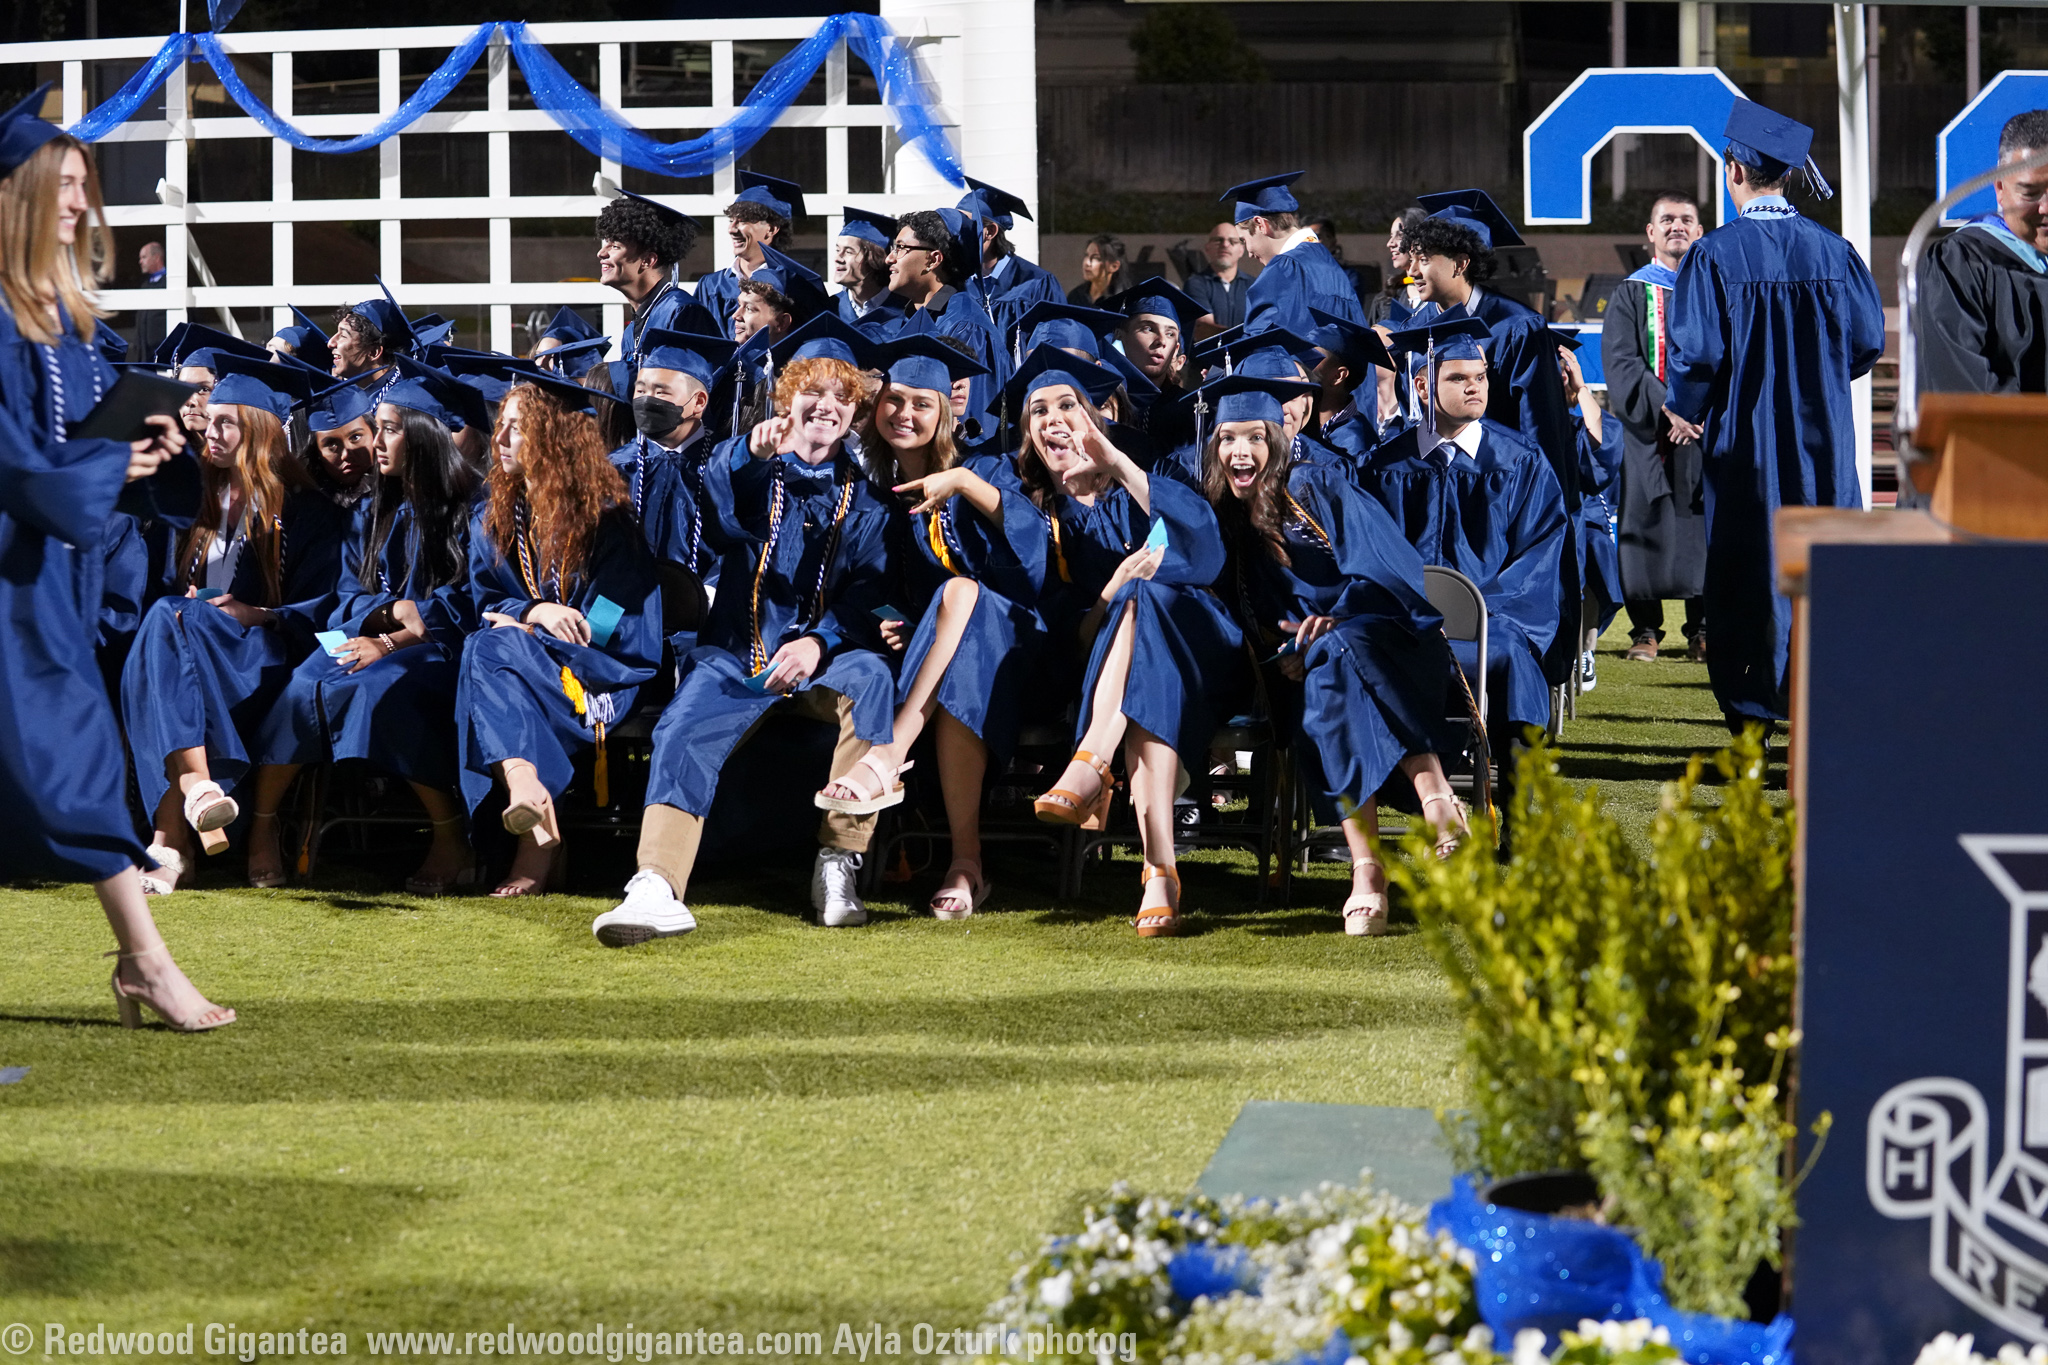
579,113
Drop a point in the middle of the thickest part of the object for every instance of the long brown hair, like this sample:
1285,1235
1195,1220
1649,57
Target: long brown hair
1259,515
1039,484
258,474
566,482
880,457
36,270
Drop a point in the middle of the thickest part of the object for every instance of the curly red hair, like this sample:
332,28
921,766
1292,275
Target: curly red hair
565,479
812,371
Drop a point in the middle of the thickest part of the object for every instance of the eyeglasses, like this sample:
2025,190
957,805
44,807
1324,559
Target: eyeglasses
900,248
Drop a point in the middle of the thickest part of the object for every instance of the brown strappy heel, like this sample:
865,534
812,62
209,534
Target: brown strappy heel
1159,922
1062,807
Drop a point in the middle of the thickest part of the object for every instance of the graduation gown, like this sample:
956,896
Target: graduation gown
197,678
1662,551
1773,316
1009,295
807,555
1599,472
1303,276
1353,433
882,320
1499,520
63,779
980,687
668,499
513,700
952,314
717,293
673,309
1984,311
1188,655
399,712
1376,683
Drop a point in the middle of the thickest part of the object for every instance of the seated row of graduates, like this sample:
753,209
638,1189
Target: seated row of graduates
866,564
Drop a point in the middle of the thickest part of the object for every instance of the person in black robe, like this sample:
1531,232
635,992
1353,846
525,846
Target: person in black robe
1663,533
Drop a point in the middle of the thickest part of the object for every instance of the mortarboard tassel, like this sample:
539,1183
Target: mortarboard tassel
1816,181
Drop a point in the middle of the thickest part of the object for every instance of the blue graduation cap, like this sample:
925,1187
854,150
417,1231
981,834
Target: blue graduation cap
1452,334
784,197
1356,345
1476,210
307,341
825,336
23,130
965,225
1211,349
922,361
1272,344
194,343
112,346
1573,338
878,228
1048,366
661,210
261,384
1773,143
494,376
577,358
1136,382
700,357
802,286
568,325
1158,297
991,203
334,408
1245,398
388,318
1255,198
1066,325
433,392
431,330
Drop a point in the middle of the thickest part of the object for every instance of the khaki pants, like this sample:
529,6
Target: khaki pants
669,838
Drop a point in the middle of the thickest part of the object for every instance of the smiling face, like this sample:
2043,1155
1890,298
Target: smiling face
746,239
353,355
347,451
1674,226
2023,198
753,313
848,262
1439,279
223,434
1243,452
907,418
72,200
1396,255
390,443
911,264
1054,418
1153,344
821,414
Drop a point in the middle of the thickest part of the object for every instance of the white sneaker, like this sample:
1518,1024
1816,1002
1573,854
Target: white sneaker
649,911
1586,679
833,894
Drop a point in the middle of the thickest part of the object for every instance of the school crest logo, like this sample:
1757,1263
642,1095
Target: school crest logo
1929,1139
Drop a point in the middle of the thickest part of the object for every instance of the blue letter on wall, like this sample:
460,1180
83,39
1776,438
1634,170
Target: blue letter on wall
1557,149
1969,145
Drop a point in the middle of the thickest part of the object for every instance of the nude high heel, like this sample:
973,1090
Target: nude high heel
130,1003
1447,841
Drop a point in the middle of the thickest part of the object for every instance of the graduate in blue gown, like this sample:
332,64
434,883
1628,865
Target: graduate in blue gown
860,267
1773,316
565,587
1347,384
63,781
385,693
929,265
1158,319
254,579
969,561
664,463
1296,271
640,243
759,215
1472,495
1000,282
1330,595
1600,436
793,626
1134,639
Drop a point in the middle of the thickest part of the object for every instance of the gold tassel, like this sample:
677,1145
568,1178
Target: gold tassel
601,770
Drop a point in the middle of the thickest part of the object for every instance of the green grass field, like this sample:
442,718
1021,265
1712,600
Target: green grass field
447,1115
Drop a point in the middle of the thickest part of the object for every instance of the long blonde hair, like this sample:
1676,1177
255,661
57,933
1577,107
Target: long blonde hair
36,270
257,472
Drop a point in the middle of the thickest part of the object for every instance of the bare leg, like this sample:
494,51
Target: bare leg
963,761
273,780
448,857
145,966
956,607
1154,765
532,864
1362,837
1106,723
1439,807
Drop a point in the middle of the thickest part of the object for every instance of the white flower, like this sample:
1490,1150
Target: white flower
1949,1349
1529,1347
1057,1291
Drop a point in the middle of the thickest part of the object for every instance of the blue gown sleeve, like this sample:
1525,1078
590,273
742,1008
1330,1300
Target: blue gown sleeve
849,618
493,581
1866,318
1384,570
66,489
1527,359
621,571
1699,309
1194,540
1010,559
1524,584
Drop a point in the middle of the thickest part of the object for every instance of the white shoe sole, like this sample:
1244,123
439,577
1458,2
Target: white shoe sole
844,919
624,933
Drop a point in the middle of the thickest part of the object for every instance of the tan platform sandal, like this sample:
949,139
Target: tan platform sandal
1447,840
888,788
1062,807
1365,913
1159,921
954,902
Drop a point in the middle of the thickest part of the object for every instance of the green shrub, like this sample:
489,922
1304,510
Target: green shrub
1631,1016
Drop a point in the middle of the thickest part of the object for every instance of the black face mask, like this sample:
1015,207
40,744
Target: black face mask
655,416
